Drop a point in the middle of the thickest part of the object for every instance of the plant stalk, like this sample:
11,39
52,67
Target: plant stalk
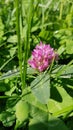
19,38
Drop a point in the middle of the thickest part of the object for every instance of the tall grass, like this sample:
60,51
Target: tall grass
27,38
23,54
19,37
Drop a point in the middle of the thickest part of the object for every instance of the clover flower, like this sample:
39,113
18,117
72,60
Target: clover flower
42,57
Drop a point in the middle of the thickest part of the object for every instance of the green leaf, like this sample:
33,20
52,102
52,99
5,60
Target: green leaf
22,111
44,34
7,118
64,71
3,87
56,124
61,49
16,73
36,125
38,120
12,51
38,114
1,28
9,93
40,87
29,97
61,102
10,74
69,46
52,124
12,39
68,73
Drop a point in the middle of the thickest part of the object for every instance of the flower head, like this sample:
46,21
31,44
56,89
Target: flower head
42,57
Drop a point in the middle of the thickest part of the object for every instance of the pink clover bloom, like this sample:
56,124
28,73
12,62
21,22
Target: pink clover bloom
42,57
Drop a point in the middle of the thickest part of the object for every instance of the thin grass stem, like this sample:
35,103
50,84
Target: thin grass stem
19,37
27,39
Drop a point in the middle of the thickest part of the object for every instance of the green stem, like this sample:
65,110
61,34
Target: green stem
63,111
19,37
6,63
61,9
42,15
47,112
51,65
27,39
13,97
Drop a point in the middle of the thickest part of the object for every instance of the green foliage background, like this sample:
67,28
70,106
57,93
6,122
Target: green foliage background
39,20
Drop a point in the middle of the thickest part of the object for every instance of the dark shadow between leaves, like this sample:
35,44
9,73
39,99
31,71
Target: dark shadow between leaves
55,94
38,126
54,124
66,83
